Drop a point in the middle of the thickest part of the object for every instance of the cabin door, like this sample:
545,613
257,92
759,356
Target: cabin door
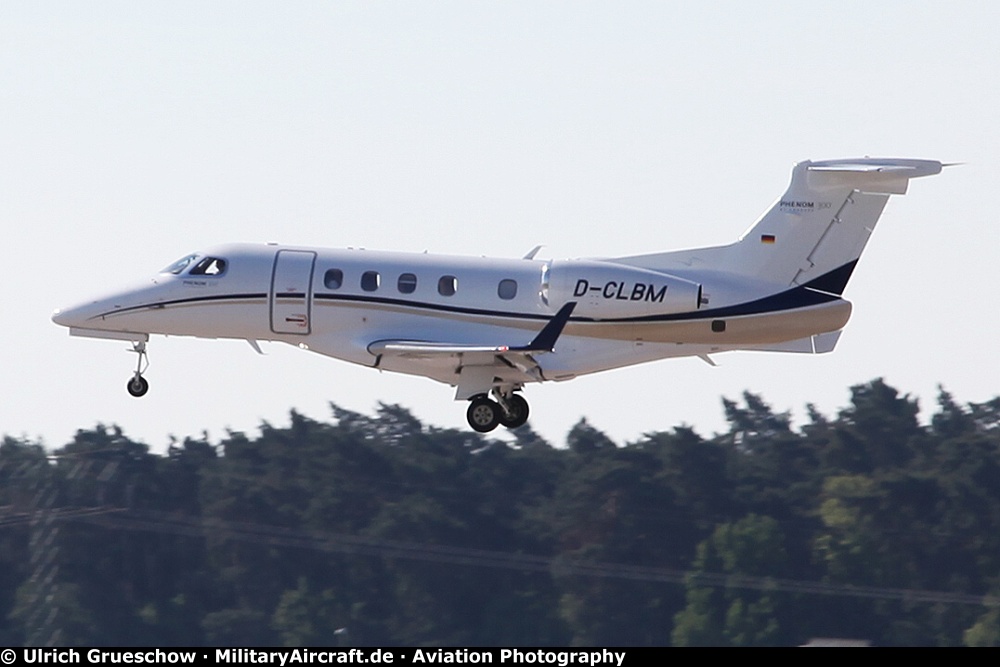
291,292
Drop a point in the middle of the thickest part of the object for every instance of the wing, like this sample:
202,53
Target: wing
475,369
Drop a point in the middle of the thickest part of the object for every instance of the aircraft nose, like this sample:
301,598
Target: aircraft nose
61,317
90,314
69,317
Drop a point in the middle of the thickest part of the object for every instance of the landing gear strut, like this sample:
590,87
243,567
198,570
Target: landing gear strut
137,385
485,414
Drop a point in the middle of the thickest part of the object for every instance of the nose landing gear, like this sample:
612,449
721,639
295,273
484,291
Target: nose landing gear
137,385
485,414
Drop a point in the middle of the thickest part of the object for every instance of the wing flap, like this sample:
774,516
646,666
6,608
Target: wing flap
413,349
477,368
545,341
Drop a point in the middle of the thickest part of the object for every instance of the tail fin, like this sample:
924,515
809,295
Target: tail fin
815,232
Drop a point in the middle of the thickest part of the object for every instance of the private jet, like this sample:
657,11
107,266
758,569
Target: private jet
490,326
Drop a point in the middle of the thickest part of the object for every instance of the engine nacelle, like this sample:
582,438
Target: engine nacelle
605,290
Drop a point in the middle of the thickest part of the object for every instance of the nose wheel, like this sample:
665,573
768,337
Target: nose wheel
137,385
485,414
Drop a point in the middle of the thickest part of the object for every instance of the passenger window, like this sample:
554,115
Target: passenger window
448,285
210,266
507,289
407,283
370,281
333,279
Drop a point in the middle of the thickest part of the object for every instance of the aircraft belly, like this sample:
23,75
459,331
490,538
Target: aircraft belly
579,355
346,332
756,329
584,354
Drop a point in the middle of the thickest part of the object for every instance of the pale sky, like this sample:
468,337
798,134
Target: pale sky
134,133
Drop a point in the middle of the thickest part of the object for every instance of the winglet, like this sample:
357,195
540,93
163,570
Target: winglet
545,341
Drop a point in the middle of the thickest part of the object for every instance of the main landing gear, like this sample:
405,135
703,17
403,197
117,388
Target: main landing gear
137,385
485,414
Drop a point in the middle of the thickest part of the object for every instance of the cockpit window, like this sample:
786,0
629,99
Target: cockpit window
179,265
210,266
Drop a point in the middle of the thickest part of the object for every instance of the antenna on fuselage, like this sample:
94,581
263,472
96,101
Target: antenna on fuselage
534,251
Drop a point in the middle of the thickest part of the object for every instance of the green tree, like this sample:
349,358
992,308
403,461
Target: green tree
752,546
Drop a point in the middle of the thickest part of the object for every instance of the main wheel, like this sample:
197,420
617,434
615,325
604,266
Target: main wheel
483,414
137,386
518,412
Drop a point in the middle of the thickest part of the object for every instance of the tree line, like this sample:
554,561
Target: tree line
381,530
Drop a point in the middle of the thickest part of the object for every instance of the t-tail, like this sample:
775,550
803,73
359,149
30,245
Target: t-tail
815,233
797,258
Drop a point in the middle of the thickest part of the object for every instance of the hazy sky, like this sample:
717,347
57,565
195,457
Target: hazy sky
133,133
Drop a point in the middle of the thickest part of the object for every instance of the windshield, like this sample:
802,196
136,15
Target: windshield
205,266
179,265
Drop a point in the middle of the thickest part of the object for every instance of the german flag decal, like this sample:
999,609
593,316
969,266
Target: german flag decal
767,238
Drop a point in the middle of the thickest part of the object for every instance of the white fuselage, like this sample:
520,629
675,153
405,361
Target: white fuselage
338,302
490,326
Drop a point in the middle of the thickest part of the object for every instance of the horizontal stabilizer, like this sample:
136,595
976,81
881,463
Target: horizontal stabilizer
911,168
888,176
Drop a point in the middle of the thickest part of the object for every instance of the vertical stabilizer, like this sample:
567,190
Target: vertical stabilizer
815,233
